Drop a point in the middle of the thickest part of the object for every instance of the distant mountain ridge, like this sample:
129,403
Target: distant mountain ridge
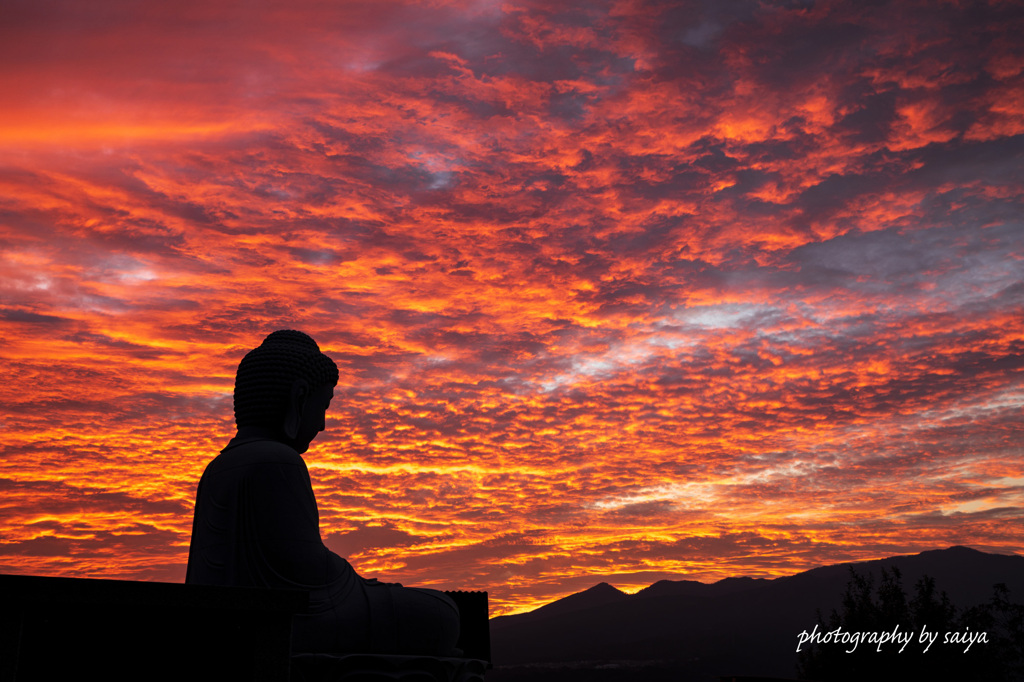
594,597
736,626
681,587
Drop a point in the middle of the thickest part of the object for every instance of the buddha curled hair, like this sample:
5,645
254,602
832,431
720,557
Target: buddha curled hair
265,376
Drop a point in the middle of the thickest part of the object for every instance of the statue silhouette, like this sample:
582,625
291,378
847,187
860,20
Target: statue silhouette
256,521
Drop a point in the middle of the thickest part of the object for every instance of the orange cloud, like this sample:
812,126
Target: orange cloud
619,294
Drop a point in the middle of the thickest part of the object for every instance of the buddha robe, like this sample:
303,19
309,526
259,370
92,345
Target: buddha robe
256,524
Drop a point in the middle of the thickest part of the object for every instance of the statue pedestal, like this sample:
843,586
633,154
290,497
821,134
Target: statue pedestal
374,667
57,629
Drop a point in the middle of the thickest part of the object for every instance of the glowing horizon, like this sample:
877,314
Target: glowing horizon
618,291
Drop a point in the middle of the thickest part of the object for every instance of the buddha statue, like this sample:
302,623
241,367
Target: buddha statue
256,521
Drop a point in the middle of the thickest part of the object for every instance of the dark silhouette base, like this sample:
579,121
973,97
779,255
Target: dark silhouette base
366,667
64,628
71,628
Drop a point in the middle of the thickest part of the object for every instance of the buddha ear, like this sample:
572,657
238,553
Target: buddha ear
296,406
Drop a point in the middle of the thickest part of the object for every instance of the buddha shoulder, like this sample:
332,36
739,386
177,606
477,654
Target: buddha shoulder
255,453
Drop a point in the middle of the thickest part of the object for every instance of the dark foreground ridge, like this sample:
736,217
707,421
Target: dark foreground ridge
687,630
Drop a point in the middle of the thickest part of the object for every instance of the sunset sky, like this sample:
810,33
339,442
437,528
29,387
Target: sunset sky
618,291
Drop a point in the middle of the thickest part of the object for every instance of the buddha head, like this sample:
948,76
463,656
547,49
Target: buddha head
284,386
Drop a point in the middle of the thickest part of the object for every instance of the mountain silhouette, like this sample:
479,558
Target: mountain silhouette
736,626
600,595
664,588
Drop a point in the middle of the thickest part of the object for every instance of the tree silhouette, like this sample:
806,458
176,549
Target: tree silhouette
886,610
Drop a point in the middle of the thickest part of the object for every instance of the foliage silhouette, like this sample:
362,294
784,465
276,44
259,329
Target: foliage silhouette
999,657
